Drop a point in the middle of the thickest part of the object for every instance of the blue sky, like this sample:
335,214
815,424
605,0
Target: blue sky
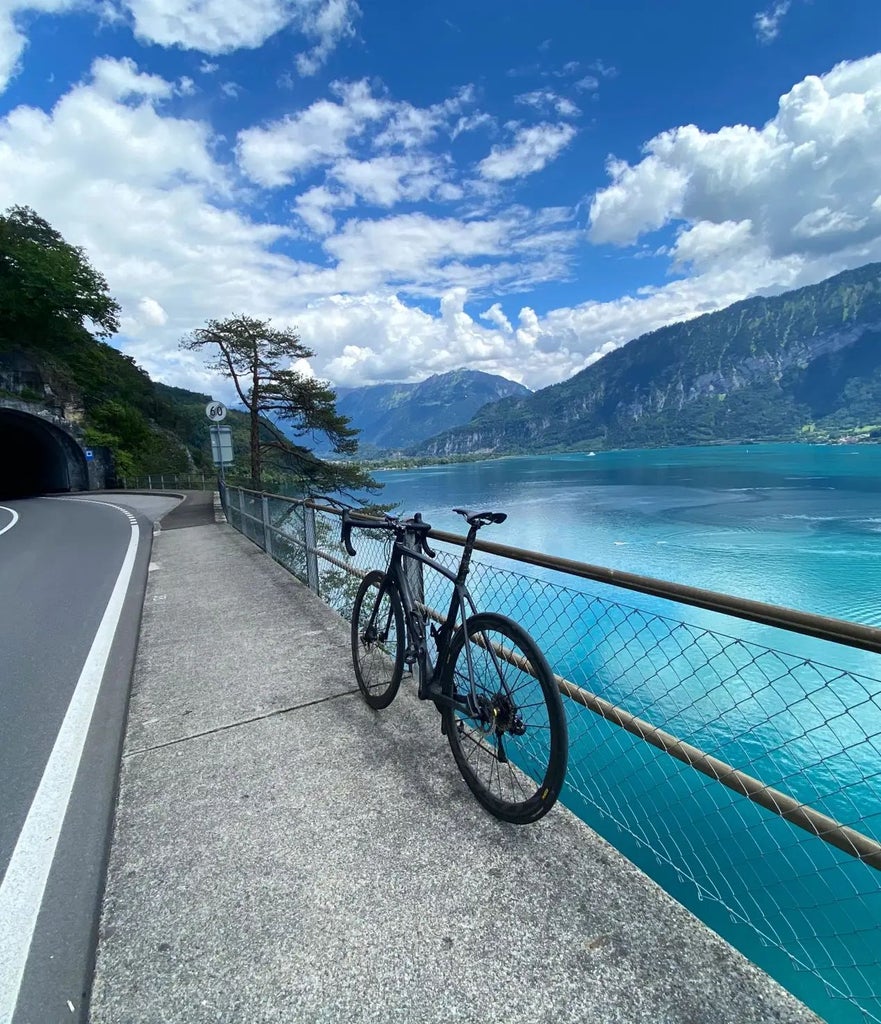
519,187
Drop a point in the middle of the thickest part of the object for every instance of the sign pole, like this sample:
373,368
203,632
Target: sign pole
216,411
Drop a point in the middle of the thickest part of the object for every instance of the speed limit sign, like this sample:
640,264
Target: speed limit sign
215,411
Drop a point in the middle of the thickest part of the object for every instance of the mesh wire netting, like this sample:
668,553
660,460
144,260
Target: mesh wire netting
802,716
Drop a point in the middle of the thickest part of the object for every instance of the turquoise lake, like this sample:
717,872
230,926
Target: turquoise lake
795,525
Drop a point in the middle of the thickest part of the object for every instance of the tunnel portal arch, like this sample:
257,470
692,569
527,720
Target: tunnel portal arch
38,456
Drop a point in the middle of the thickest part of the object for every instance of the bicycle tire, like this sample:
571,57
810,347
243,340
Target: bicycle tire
378,658
521,706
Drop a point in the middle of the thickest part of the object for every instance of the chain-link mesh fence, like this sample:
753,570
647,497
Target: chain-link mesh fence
767,730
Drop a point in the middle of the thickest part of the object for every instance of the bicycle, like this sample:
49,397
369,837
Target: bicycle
501,710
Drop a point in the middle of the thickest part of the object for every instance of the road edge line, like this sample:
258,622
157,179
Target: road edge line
24,884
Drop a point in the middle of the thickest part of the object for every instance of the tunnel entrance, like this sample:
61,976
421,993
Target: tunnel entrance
37,457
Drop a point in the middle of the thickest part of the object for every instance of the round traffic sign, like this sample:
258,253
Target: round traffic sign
215,411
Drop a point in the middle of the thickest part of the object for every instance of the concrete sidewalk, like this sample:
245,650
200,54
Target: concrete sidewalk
283,853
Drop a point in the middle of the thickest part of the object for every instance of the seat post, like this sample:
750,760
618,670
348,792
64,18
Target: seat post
466,553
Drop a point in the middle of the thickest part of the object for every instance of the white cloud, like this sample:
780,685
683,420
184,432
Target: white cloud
142,192
274,154
767,23
424,255
120,79
806,182
386,180
751,210
209,26
152,313
231,89
328,24
221,26
313,206
378,337
532,149
410,127
547,99
471,122
325,133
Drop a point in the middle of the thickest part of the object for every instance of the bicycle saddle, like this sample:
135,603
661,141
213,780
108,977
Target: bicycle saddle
481,518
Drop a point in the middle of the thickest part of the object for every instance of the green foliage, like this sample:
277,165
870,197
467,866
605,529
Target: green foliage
257,358
47,287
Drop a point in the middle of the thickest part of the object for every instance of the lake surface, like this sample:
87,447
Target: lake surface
795,525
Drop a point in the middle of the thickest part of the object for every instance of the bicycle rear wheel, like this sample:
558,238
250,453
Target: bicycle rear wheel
512,746
378,639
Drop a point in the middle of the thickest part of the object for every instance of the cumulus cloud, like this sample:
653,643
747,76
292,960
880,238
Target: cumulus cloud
531,150
221,26
387,289
209,26
803,185
143,192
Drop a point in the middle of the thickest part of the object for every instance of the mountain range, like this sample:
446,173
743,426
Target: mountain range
804,365
398,416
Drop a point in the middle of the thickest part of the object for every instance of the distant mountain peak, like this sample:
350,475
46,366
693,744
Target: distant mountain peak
396,416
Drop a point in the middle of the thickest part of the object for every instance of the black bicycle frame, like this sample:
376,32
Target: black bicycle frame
430,674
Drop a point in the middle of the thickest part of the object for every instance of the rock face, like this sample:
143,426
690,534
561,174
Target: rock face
396,416
801,364
29,380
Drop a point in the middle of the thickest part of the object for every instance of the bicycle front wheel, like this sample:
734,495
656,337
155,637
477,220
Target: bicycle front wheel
378,639
511,744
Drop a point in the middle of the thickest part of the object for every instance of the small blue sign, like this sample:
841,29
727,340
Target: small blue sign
90,454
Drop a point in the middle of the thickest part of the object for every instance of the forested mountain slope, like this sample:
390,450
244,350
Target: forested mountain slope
803,364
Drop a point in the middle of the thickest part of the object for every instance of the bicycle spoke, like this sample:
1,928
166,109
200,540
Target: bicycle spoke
512,760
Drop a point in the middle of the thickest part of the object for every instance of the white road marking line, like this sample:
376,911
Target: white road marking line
14,515
24,885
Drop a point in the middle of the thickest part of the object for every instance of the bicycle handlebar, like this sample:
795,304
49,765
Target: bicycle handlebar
415,525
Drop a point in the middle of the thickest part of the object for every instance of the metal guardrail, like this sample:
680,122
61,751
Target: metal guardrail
796,736
169,481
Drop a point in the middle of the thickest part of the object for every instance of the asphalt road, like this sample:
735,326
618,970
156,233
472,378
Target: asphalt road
72,578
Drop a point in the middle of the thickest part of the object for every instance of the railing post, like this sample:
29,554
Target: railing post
150,481
267,527
242,512
311,545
